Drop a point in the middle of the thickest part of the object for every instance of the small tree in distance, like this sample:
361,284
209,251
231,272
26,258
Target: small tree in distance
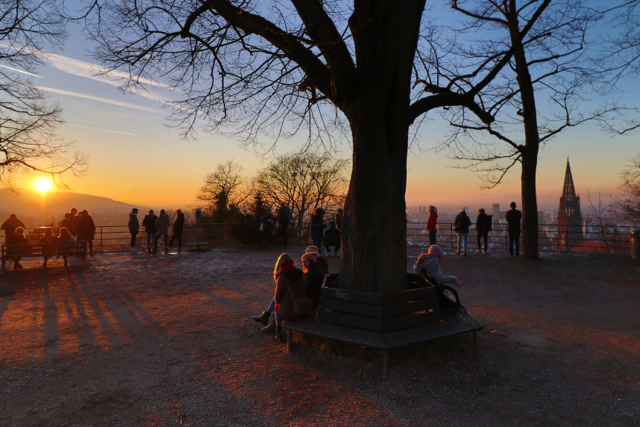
304,182
627,204
222,188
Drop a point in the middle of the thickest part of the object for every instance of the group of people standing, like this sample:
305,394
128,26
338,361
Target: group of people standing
156,227
462,224
328,237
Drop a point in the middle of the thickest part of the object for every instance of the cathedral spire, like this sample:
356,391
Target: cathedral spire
569,190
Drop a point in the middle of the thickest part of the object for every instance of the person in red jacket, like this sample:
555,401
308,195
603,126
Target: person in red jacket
431,224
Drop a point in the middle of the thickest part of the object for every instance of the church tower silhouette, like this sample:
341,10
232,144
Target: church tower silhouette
569,216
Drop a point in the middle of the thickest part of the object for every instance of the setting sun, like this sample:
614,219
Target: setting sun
43,185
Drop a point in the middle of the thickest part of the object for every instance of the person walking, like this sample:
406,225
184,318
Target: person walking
149,224
134,227
86,229
432,227
162,229
513,218
177,229
483,223
10,225
461,226
284,217
317,228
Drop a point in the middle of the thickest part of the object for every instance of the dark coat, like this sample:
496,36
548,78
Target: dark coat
10,225
178,225
17,245
317,225
463,222
69,222
85,227
295,279
332,236
481,222
162,225
513,218
48,244
149,223
134,225
314,278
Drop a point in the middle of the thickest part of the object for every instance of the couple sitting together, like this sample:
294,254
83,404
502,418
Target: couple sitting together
292,282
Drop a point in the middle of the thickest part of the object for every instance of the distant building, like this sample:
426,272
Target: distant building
569,217
496,212
540,217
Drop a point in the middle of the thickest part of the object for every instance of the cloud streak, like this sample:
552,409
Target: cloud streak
21,71
102,130
99,99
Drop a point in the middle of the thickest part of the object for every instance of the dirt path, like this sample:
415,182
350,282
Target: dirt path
144,341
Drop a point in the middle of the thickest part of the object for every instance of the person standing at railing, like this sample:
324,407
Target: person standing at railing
432,228
162,229
149,224
10,225
483,225
134,227
461,226
513,218
177,229
86,229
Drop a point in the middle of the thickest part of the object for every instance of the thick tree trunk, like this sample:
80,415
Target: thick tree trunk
375,223
529,204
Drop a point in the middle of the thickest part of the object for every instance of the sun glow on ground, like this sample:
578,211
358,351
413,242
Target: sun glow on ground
43,185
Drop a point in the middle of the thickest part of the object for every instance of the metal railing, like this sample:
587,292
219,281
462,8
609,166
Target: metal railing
609,239
605,239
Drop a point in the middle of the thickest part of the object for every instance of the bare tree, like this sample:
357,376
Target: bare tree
223,188
302,181
27,121
627,204
550,62
275,67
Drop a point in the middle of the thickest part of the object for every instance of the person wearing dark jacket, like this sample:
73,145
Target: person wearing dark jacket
10,225
48,244
17,247
461,226
86,229
177,229
313,275
162,229
284,217
482,230
513,218
134,227
332,237
149,224
316,226
287,276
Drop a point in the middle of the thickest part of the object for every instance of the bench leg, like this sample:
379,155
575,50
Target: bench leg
385,363
289,340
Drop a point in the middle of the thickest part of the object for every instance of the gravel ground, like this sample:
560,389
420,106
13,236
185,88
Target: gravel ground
155,340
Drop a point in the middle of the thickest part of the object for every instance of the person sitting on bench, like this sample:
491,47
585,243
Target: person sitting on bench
313,275
332,237
17,247
285,273
48,245
427,265
320,260
66,241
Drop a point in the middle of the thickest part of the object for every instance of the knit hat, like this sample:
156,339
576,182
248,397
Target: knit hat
434,250
311,249
311,256
332,223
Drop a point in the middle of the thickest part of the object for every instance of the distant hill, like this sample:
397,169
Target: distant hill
33,206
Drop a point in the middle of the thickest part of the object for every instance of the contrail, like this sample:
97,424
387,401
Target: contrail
20,71
103,130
